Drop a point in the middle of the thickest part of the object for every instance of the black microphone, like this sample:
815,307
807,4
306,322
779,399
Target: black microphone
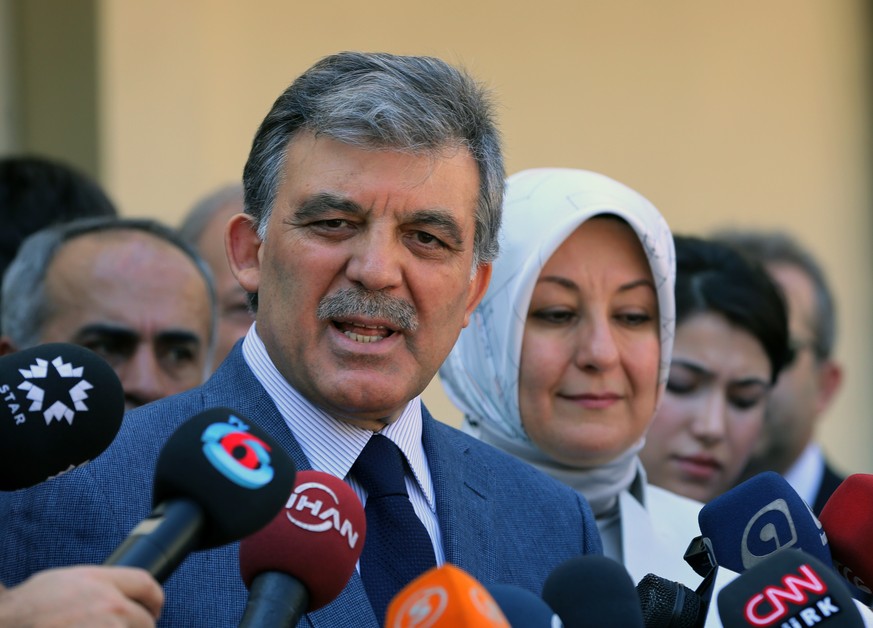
218,478
522,608
790,588
62,405
669,604
593,590
305,556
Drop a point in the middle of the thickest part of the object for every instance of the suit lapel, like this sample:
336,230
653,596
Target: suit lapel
463,488
234,380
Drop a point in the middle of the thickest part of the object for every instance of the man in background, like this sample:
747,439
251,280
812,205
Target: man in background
130,290
203,228
36,192
809,383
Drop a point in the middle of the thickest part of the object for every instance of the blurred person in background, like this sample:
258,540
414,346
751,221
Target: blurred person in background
37,192
811,381
731,344
130,290
203,228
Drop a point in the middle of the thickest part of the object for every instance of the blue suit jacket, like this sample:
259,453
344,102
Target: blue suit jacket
501,520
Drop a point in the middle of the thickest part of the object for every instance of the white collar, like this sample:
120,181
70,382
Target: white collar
806,473
332,445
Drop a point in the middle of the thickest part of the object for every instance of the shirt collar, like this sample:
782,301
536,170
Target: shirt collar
806,473
329,444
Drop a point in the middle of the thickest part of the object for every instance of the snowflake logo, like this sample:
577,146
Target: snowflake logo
59,409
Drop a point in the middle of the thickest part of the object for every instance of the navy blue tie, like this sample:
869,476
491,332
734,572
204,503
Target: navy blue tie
398,548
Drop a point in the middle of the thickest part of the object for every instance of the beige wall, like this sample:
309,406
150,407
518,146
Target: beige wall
733,112
50,49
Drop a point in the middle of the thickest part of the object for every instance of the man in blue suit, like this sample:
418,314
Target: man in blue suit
373,193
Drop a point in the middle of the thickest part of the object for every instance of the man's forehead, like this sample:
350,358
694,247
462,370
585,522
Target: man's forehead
109,241
440,180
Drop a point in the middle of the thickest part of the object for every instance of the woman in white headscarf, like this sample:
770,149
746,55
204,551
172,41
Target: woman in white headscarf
565,359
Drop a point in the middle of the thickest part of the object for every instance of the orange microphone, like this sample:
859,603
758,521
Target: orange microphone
444,597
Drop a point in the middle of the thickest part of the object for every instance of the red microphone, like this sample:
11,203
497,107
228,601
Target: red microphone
847,518
304,558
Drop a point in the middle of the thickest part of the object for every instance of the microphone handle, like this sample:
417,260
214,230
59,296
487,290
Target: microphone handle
162,540
276,600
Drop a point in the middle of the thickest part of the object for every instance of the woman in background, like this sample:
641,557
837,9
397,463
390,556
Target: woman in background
731,342
566,357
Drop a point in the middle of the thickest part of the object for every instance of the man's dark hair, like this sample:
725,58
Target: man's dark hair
780,248
37,192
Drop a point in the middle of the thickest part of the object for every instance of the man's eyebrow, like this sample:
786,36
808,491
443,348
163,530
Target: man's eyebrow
440,219
177,337
318,204
129,336
106,330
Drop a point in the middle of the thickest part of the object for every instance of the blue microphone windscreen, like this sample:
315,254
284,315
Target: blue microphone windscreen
758,517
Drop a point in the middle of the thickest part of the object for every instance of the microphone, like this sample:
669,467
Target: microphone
522,608
218,478
593,590
304,557
669,604
847,517
789,588
758,517
444,597
62,405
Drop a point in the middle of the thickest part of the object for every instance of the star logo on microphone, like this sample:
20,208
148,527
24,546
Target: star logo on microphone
55,409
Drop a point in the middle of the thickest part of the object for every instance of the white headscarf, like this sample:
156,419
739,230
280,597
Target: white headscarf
542,208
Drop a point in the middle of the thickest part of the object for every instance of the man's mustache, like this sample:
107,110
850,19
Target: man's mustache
350,302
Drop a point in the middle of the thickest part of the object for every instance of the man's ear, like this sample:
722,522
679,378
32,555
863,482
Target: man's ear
242,244
830,379
478,288
7,347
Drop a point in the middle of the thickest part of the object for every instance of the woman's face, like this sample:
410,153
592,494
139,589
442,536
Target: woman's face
711,415
588,378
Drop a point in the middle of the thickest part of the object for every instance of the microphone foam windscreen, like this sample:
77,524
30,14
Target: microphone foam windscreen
847,518
316,538
758,517
62,405
788,588
668,604
593,590
444,597
522,608
231,468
